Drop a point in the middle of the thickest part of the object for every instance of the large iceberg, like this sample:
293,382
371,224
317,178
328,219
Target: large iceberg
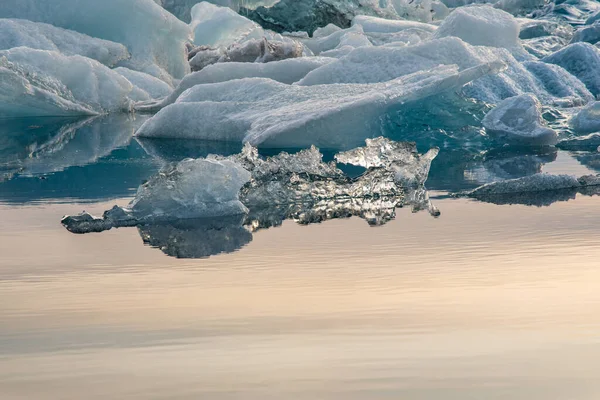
271,114
154,37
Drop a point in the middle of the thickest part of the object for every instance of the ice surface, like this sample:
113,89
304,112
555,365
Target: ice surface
380,64
532,183
481,26
271,114
587,120
47,83
154,37
152,87
543,46
23,33
519,119
583,61
286,71
354,37
538,189
535,28
589,34
381,25
192,188
221,26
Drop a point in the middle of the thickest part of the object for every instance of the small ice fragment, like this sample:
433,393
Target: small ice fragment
519,119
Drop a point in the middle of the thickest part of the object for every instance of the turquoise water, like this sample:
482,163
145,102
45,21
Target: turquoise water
484,301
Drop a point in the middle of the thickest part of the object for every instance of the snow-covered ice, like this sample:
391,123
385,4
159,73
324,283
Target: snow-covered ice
587,120
154,37
267,113
37,35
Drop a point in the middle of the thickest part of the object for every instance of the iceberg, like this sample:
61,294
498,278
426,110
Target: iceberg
536,190
589,34
380,64
535,28
481,26
519,119
268,190
221,26
286,71
36,35
587,120
583,61
154,37
150,87
47,83
271,114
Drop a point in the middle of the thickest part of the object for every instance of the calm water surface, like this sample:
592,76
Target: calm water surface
484,302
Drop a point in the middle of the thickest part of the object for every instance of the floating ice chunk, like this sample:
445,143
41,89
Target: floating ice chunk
325,31
535,28
380,25
335,39
192,188
481,26
379,64
36,35
587,120
544,46
152,87
583,61
533,183
221,26
567,90
410,168
263,51
286,71
154,37
47,83
519,119
581,143
265,112
589,34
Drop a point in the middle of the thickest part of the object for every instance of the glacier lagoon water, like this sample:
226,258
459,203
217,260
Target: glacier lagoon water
483,301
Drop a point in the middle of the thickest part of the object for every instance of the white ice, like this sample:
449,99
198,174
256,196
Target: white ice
519,120
286,71
481,26
221,26
380,64
47,83
154,37
587,120
583,61
36,35
271,114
